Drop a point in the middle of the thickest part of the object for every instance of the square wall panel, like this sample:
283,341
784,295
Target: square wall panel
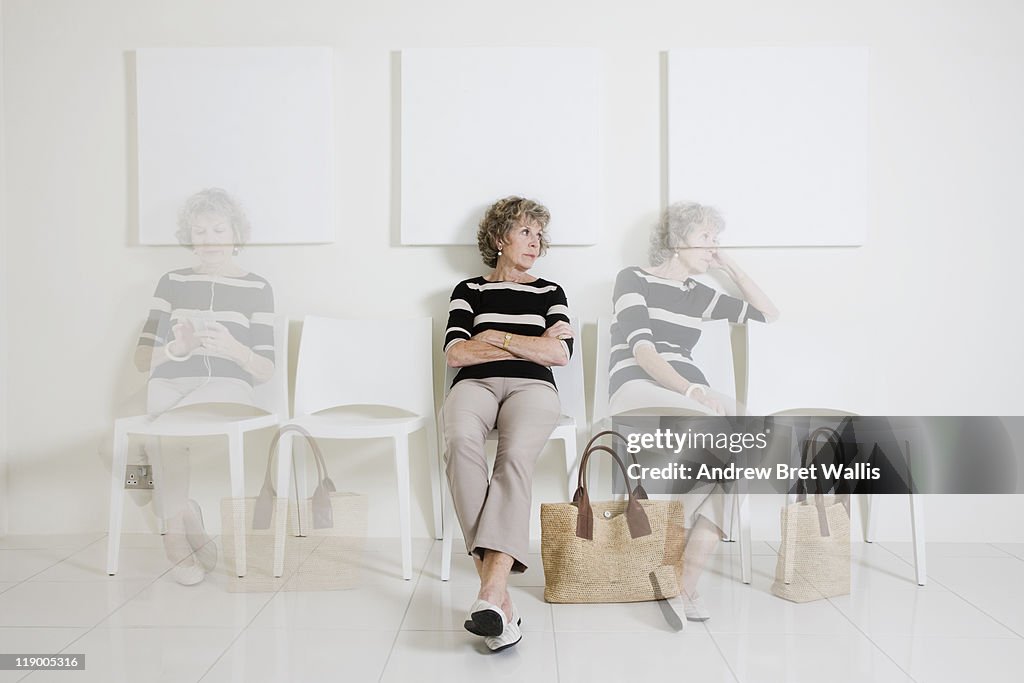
256,122
481,124
775,138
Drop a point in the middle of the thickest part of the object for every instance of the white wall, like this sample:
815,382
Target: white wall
936,281
3,296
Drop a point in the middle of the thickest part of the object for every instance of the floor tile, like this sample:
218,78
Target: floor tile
953,660
303,656
6,585
873,567
461,657
632,617
72,541
18,565
993,585
964,573
90,564
376,607
130,655
208,604
64,604
35,641
438,605
651,656
1015,549
795,658
750,609
936,550
725,570
918,613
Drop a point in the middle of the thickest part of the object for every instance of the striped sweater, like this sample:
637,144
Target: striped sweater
520,308
665,314
244,305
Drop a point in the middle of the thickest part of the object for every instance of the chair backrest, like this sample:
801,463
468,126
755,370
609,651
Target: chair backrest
272,395
807,366
365,362
713,355
603,347
568,379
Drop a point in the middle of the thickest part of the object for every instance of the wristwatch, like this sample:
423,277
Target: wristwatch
508,339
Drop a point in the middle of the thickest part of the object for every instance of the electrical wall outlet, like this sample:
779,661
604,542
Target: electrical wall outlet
138,477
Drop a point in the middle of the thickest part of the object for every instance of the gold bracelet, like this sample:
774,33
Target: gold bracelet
508,338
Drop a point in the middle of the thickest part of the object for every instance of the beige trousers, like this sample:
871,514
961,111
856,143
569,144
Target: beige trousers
494,512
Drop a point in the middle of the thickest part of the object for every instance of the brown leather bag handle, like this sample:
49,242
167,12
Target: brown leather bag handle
839,452
641,493
636,518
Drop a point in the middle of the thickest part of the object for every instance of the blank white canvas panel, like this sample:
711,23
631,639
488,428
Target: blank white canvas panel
481,124
776,138
257,122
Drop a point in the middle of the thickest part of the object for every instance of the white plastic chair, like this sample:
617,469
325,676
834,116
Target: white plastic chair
817,369
346,364
569,380
713,355
271,396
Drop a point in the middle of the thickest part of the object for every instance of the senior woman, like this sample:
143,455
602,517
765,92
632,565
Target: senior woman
658,311
208,340
505,331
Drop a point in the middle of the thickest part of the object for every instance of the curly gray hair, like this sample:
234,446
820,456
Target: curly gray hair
216,201
676,224
501,217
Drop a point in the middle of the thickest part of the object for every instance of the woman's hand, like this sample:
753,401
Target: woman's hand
216,340
184,339
748,288
722,261
560,330
702,398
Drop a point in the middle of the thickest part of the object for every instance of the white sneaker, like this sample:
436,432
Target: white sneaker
695,608
511,634
188,574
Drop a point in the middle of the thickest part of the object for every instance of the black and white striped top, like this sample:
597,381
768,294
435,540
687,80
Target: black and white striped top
520,308
665,314
244,305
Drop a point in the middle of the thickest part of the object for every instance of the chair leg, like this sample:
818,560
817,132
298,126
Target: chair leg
236,467
284,468
449,531
118,464
572,466
743,513
402,469
869,524
917,529
434,465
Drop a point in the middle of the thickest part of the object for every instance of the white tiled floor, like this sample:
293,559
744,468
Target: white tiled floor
140,625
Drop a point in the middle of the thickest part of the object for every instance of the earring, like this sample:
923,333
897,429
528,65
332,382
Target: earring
234,251
499,250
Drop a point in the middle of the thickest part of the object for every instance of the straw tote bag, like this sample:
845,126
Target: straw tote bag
611,551
322,539
814,556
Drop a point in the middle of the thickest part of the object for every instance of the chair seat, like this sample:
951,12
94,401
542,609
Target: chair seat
359,426
191,424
